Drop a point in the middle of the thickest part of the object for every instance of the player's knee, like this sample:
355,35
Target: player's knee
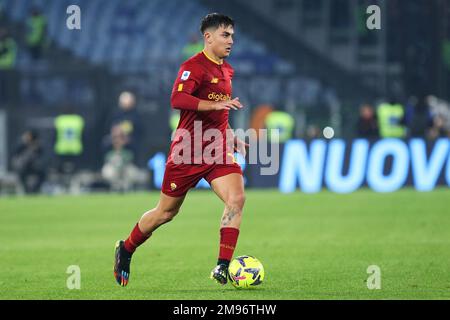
168,215
236,201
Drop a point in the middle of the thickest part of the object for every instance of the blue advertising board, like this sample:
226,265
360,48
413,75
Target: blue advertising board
344,166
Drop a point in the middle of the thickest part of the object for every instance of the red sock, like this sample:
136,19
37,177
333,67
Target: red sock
135,239
228,240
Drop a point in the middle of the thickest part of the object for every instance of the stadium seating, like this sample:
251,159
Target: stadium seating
142,41
130,36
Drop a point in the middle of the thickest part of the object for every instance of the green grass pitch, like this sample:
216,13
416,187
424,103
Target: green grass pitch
312,246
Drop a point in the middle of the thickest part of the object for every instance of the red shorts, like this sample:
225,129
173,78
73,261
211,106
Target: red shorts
179,178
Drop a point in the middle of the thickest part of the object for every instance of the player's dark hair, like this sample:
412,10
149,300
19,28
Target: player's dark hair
215,20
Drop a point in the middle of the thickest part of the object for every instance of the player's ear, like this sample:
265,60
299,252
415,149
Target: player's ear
208,37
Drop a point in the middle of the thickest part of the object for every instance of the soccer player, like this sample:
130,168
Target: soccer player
202,91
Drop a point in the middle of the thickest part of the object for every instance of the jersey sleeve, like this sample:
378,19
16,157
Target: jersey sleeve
188,80
231,73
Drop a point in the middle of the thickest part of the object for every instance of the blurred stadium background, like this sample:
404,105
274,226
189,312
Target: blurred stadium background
89,110
300,66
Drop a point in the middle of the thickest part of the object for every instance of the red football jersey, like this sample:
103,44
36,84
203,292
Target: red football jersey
201,78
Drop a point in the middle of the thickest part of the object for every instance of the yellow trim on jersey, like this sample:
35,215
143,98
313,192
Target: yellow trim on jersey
211,59
180,87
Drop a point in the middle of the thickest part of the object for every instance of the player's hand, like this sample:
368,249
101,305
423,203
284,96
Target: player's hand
234,104
240,146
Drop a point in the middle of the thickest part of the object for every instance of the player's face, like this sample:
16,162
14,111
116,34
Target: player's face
222,41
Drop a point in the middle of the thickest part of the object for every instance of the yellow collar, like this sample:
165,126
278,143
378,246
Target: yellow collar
211,59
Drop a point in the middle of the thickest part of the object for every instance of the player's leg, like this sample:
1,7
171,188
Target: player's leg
230,189
164,212
166,209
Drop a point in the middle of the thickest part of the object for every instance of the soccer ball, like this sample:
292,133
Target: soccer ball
246,271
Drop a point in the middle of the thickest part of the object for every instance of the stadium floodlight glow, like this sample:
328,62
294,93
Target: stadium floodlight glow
400,164
328,132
